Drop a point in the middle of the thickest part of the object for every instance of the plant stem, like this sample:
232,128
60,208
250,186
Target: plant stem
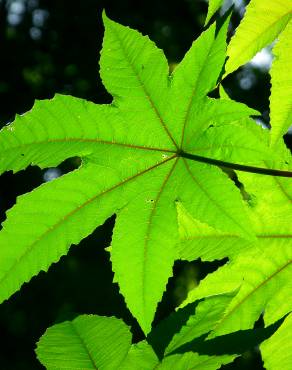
236,166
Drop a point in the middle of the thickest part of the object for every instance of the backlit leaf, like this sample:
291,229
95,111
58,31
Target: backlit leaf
87,342
262,23
134,165
281,93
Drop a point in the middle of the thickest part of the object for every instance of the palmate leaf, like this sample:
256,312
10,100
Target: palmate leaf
134,164
276,351
262,23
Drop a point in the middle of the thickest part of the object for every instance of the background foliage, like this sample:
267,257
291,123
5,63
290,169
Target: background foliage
48,47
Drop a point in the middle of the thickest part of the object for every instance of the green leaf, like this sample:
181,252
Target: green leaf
186,324
214,5
207,314
262,23
162,334
186,330
223,93
194,361
132,165
87,342
276,351
281,92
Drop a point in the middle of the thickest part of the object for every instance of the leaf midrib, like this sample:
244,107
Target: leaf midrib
81,140
83,344
148,231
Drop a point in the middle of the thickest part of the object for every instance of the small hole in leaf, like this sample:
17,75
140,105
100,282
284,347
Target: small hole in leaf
247,197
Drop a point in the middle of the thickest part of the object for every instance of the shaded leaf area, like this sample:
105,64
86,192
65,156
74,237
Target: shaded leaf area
187,330
194,361
186,324
235,343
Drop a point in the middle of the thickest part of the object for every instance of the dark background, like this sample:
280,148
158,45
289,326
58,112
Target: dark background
53,46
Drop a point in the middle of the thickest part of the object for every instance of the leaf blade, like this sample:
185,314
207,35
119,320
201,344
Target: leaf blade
281,92
85,343
262,23
206,315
